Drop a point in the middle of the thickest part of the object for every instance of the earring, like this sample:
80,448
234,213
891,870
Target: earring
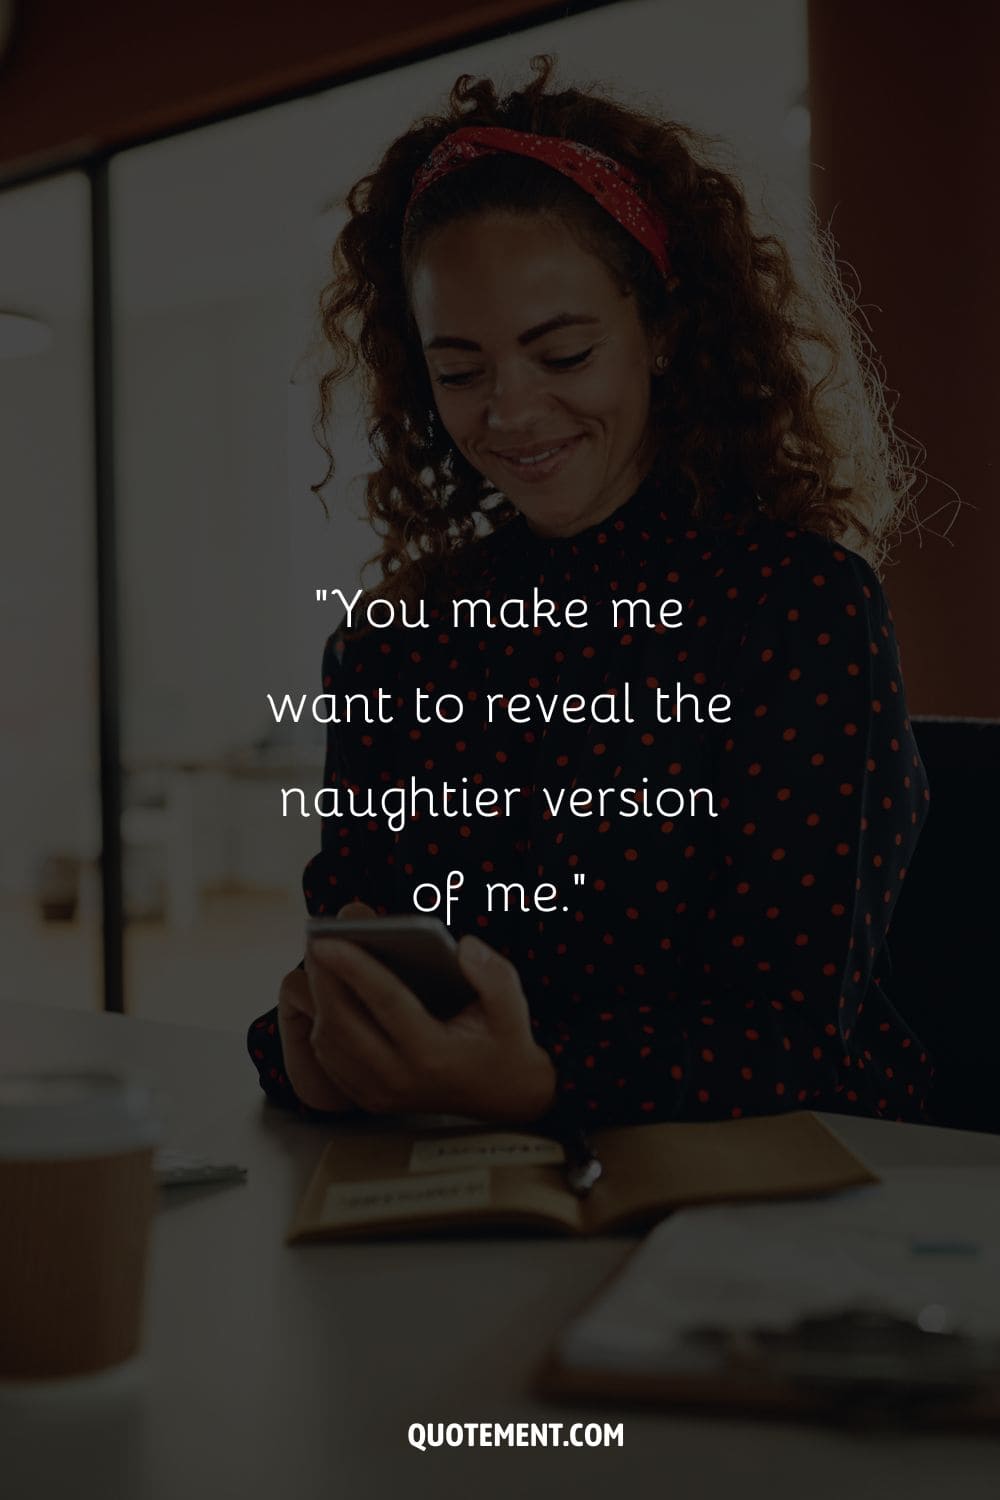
661,362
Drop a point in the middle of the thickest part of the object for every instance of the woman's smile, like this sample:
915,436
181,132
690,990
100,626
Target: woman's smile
539,462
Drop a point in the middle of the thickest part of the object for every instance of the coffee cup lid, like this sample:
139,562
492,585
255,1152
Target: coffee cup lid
47,1116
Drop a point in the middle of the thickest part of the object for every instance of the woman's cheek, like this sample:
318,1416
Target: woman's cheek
450,415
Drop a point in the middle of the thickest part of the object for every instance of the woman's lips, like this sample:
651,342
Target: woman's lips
542,463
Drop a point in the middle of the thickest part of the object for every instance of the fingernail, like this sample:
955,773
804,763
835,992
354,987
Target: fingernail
477,952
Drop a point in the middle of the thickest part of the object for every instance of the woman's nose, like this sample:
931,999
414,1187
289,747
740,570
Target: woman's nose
513,404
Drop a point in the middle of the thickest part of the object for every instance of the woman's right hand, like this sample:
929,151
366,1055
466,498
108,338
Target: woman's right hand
296,1016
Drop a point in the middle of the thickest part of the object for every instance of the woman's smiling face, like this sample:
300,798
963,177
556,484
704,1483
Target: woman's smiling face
540,366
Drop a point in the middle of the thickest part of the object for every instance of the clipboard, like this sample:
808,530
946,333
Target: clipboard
858,1338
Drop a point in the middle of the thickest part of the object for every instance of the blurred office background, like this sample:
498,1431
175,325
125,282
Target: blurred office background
219,243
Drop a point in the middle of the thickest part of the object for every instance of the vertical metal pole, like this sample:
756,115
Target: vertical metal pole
102,344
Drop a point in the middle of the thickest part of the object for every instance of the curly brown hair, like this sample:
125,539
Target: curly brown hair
773,400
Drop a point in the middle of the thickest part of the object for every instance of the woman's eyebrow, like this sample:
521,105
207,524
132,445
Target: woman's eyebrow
538,331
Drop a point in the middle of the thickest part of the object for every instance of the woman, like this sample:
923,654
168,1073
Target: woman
588,375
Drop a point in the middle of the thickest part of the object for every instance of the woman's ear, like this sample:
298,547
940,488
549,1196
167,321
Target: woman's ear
662,348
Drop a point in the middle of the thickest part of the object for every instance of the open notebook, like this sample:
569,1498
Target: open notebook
401,1181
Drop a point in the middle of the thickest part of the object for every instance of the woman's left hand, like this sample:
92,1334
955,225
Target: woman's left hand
385,1051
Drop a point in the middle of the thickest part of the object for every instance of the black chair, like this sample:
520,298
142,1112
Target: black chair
943,941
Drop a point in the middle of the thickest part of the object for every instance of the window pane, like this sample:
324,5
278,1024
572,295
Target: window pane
49,882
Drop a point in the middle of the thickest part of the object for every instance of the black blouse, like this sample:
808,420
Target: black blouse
706,967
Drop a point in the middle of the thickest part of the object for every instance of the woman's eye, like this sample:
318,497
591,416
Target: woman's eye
570,360
465,377
462,377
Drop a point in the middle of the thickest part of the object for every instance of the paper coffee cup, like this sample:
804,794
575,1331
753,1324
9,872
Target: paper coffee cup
76,1204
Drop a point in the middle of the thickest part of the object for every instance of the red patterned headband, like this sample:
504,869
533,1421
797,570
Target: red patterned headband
613,186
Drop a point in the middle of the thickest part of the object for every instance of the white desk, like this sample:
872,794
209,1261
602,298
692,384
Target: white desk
295,1373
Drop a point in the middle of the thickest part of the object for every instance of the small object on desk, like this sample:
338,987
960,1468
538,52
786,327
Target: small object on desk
583,1166
865,1353
180,1169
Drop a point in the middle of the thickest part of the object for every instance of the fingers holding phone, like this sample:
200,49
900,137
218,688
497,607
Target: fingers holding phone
311,1081
296,1020
410,1022
372,1033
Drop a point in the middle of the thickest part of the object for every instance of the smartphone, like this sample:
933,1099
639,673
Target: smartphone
419,950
